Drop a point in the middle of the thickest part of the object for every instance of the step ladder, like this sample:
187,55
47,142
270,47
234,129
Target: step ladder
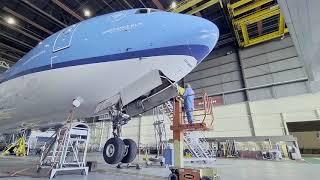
199,148
68,149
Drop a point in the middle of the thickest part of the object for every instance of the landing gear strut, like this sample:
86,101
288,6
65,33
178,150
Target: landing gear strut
115,149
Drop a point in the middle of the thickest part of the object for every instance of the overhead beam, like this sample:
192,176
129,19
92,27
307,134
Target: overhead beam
27,20
67,9
20,31
258,16
203,6
12,48
142,4
239,3
158,4
44,13
16,40
250,7
128,4
263,38
197,13
185,5
108,5
9,55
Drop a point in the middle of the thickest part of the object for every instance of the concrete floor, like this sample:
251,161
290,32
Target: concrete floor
229,169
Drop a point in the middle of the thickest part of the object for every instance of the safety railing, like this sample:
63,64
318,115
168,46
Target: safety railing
203,111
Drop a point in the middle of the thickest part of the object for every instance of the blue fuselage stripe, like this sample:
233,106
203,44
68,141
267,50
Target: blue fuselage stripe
196,51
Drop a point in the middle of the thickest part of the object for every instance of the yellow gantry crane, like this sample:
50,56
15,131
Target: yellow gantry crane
246,13
248,17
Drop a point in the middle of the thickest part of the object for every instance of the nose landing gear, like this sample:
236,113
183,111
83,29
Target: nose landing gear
117,150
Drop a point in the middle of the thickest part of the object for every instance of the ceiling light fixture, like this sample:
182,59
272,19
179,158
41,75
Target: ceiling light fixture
86,12
173,5
10,20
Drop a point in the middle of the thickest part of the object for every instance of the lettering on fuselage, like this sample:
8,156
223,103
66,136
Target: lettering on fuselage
128,27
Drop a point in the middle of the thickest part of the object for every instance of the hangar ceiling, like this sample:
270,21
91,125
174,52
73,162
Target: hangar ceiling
25,23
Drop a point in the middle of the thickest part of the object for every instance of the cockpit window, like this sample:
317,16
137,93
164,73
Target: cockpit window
142,11
154,10
146,11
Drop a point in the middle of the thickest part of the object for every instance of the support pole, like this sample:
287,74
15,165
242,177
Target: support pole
284,123
178,135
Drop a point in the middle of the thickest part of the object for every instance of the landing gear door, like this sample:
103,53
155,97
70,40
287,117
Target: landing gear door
64,38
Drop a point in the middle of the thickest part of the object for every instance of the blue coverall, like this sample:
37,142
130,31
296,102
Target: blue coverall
188,97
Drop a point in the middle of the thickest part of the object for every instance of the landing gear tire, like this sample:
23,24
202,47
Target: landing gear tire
113,150
131,151
173,176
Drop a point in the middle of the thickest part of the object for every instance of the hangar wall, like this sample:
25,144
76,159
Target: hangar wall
302,19
262,88
269,70
273,70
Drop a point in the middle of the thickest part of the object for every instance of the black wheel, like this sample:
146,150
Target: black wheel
113,150
38,169
173,176
130,152
259,156
205,178
83,172
161,163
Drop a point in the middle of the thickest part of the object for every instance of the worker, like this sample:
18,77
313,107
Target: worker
188,97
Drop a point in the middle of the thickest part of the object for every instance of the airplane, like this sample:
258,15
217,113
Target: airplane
120,64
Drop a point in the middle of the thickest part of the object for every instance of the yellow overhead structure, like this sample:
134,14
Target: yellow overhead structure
256,4
246,13
186,4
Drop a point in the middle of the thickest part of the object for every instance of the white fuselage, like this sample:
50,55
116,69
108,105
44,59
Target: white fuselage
46,97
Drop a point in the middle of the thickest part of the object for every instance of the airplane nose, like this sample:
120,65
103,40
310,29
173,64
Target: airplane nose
202,37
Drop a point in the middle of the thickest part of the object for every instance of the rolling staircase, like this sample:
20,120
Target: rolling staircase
67,151
199,147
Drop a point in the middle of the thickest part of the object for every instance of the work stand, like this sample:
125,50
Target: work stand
181,130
